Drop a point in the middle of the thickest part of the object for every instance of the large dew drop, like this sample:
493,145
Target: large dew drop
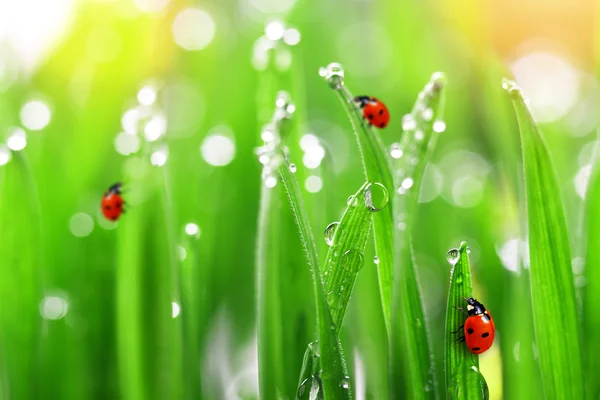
352,260
309,389
376,196
330,233
334,300
333,74
453,256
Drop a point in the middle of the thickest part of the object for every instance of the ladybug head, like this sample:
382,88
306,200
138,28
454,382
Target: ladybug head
474,307
115,189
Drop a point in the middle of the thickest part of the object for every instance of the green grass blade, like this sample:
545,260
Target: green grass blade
21,286
333,373
553,296
377,170
463,379
411,350
591,292
345,257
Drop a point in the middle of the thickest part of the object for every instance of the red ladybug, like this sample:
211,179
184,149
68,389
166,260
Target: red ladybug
479,327
112,202
374,111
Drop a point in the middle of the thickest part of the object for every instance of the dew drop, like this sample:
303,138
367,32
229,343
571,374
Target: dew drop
352,260
396,150
376,196
334,300
407,183
315,348
376,260
293,168
309,389
345,383
334,74
419,135
427,114
453,256
439,126
408,123
270,181
330,233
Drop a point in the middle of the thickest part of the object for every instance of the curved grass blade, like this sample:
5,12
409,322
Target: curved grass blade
591,291
333,375
463,379
410,347
553,296
377,170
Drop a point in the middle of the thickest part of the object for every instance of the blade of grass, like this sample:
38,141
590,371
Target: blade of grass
333,373
410,348
556,325
20,290
463,379
377,170
591,291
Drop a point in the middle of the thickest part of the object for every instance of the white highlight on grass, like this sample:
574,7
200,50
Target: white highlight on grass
35,115
159,157
126,143
274,30
146,95
181,253
17,139
577,264
150,5
218,150
54,307
5,154
81,225
192,229
582,179
193,29
155,128
313,184
176,309
130,121
291,37
550,83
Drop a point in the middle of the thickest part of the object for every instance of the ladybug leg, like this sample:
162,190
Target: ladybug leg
461,339
459,329
461,310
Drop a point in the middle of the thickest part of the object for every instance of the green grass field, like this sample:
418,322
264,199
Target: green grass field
274,245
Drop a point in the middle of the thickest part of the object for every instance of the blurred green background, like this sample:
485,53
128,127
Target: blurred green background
169,97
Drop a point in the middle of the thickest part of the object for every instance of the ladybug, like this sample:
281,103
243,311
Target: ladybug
479,327
373,111
112,202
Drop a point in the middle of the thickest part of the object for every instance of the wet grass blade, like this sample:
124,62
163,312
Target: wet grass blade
591,292
333,375
377,170
410,348
345,257
553,296
463,379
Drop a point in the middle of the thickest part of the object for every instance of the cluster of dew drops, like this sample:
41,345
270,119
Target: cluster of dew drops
311,387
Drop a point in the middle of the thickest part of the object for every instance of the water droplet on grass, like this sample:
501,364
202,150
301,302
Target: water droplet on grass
439,126
345,383
309,389
396,150
419,135
352,260
334,300
270,181
334,74
376,260
376,196
292,168
408,123
453,256
427,114
330,232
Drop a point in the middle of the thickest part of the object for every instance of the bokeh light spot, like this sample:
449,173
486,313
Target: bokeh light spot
81,224
35,115
5,154
54,307
313,184
193,29
126,143
217,150
17,139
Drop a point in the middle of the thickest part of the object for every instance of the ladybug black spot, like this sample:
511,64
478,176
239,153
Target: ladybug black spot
381,112
118,205
382,125
475,349
370,116
470,330
107,207
486,334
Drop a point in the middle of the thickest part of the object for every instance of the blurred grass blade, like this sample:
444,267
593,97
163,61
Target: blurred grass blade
463,378
333,375
591,291
553,296
377,170
345,257
20,288
411,350
149,356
